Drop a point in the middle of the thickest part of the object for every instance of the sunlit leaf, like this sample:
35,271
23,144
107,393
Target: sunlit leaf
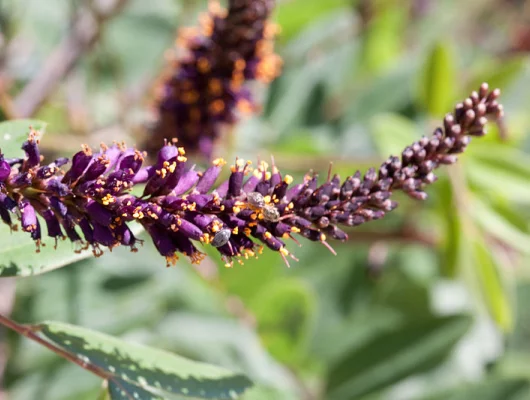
381,44
294,15
495,293
496,225
152,370
437,86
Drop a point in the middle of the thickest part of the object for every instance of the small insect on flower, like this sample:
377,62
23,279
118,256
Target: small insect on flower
256,201
270,213
221,237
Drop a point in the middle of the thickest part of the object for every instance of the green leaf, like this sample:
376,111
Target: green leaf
284,311
381,44
437,91
293,16
498,72
149,369
392,132
123,390
488,273
13,133
498,226
389,92
392,356
18,255
495,389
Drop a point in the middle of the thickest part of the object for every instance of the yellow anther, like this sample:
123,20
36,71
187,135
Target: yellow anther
219,162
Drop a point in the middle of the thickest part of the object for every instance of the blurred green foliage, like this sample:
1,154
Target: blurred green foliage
428,303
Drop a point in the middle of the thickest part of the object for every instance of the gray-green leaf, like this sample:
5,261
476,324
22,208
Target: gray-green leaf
152,370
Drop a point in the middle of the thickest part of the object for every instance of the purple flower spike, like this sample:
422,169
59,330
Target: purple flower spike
181,208
203,93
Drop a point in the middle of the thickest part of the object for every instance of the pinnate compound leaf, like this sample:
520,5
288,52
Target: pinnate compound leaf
128,366
392,356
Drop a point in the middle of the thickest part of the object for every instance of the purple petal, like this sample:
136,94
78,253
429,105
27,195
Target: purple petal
5,170
250,184
58,206
99,213
79,163
208,179
235,183
32,152
87,230
186,182
125,235
28,216
143,175
190,230
103,235
52,224
166,153
161,240
222,189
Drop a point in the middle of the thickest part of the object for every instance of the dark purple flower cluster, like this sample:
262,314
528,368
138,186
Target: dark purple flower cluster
201,93
92,205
